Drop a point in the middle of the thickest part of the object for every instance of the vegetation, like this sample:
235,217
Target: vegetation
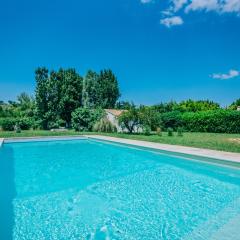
83,119
64,98
105,126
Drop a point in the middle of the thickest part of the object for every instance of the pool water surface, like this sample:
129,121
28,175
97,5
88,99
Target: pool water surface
86,189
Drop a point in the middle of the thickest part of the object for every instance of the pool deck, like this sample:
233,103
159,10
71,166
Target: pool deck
200,152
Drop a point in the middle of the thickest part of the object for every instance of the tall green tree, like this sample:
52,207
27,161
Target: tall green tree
107,89
41,76
90,88
71,93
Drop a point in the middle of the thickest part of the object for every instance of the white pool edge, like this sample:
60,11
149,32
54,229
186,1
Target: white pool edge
200,152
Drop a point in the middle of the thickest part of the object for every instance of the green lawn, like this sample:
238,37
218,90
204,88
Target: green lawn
224,142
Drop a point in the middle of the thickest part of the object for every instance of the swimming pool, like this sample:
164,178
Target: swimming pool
86,189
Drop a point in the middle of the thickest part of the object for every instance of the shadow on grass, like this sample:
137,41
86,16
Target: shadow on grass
7,193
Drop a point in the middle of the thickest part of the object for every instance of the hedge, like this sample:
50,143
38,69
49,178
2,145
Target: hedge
217,121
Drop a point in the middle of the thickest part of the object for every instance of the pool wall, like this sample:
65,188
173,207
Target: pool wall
1,141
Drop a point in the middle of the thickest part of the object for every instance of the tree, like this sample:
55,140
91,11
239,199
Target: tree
41,76
235,105
83,119
71,93
195,106
150,118
107,89
89,94
26,105
124,105
130,119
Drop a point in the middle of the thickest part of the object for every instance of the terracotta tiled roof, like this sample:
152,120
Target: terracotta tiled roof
115,112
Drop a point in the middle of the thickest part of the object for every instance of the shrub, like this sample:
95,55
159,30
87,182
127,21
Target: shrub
130,119
25,123
219,121
83,119
159,131
147,130
56,124
17,128
104,125
7,124
180,131
171,120
170,132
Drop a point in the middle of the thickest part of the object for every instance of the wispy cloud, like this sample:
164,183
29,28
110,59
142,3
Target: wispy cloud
171,21
224,76
177,7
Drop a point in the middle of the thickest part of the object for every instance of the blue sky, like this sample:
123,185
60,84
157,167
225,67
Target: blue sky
160,50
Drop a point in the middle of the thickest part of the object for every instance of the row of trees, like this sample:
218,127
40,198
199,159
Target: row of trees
60,93
65,98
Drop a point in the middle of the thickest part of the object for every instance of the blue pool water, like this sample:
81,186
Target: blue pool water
83,189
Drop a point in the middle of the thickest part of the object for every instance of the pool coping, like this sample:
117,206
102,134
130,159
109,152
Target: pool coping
191,151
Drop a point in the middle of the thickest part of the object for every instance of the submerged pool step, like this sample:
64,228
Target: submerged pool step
225,225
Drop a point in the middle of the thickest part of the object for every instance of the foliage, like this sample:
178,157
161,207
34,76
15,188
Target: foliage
7,124
235,105
146,130
150,118
196,106
170,132
130,119
83,119
41,95
107,89
104,125
180,131
25,123
218,121
70,93
171,120
90,90
123,105
159,131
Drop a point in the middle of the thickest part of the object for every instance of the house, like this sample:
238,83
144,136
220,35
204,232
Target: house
113,114
238,108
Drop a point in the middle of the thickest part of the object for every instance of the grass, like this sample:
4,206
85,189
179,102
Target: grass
217,141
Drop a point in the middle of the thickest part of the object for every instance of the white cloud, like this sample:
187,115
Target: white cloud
231,6
185,6
172,21
224,76
178,4
207,5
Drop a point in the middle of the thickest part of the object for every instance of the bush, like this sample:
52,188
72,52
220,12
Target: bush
8,124
219,121
180,131
25,123
104,125
17,128
56,124
147,130
170,132
172,120
159,131
83,119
